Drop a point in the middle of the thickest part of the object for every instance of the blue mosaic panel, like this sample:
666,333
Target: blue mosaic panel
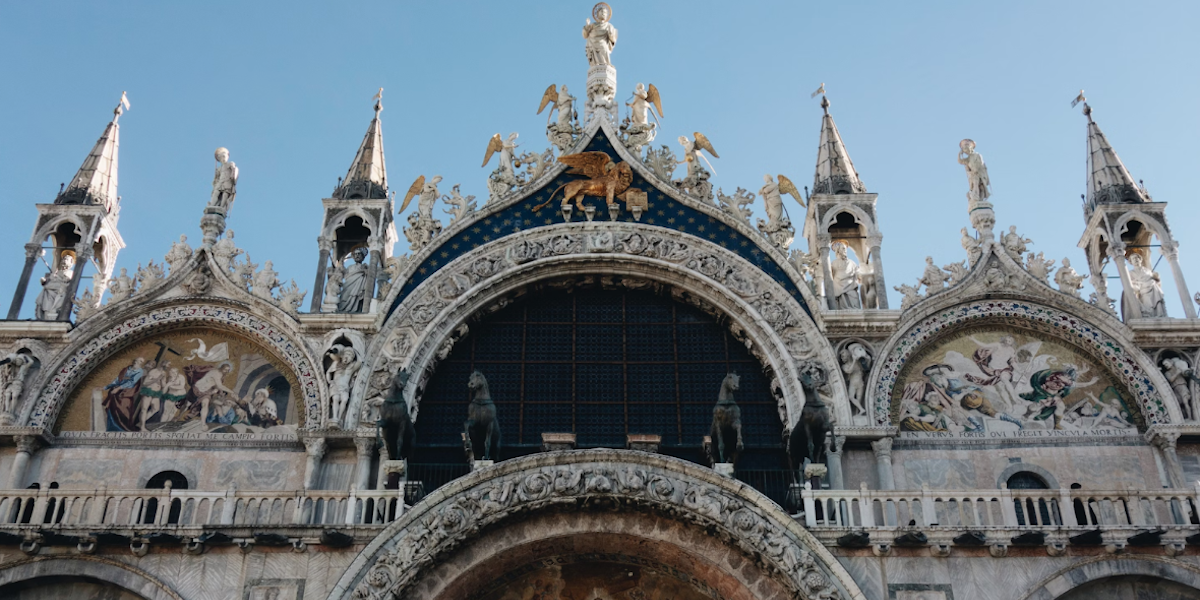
663,212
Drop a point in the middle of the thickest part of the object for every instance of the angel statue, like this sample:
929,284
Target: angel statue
504,178
696,182
641,132
423,227
977,175
778,227
561,133
600,36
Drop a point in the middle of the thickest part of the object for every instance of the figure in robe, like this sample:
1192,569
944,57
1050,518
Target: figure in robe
120,401
845,279
601,36
206,382
353,295
49,302
1147,288
1050,388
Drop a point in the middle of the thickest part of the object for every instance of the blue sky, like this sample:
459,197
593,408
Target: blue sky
287,88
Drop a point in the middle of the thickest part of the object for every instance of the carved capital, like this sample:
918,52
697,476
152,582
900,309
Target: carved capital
32,250
27,443
315,447
364,446
882,447
1163,440
1170,249
1117,250
324,243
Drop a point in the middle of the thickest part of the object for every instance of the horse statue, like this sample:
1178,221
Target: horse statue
807,437
726,423
482,430
396,424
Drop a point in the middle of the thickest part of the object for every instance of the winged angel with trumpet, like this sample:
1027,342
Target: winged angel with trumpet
605,179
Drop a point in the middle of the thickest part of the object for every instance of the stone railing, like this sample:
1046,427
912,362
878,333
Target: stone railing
1003,517
150,509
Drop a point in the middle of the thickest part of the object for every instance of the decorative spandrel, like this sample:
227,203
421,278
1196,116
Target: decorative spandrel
188,381
660,210
993,383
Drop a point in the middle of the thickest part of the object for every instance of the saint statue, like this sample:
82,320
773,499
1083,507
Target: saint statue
845,279
353,295
600,36
265,281
179,254
977,175
121,286
225,250
1147,288
13,371
224,181
1180,375
54,289
1069,282
933,277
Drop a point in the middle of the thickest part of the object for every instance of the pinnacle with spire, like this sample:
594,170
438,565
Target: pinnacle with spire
367,177
1108,181
835,172
96,181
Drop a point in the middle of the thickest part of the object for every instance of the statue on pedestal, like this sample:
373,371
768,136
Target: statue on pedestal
1147,288
224,182
600,37
423,227
352,291
845,279
977,175
54,289
14,368
504,178
340,376
562,132
1069,282
179,254
481,431
778,227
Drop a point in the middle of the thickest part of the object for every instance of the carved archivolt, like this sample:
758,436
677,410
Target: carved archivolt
761,313
633,481
1132,368
76,361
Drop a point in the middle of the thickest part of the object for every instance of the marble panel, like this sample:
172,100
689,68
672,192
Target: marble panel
252,474
74,473
939,473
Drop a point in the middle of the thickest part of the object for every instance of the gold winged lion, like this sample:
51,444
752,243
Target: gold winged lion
606,179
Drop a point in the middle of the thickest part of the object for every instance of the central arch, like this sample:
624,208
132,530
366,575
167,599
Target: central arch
671,519
759,311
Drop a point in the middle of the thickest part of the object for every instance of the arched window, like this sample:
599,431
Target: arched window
1025,480
1039,510
169,480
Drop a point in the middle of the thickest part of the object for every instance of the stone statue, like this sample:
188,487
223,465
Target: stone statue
291,297
806,440
340,376
148,276
692,154
389,276
911,295
225,250
1014,244
54,289
121,286
958,272
778,227
1180,375
395,422
352,296
845,279
562,132
481,438
933,277
265,282
1147,288
726,424
179,254
1069,282
1039,267
856,363
971,245
977,175
866,279
333,286
14,369
600,36
224,182
504,178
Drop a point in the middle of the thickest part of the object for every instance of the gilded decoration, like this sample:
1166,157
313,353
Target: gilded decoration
997,379
187,381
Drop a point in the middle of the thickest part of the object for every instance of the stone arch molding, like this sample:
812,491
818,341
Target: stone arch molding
762,314
1079,574
124,576
76,361
616,480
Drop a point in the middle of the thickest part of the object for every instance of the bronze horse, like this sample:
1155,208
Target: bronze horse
482,430
726,423
394,421
807,438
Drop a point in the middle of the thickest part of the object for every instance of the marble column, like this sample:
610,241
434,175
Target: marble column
315,448
364,451
322,265
1129,304
883,462
375,247
31,255
827,274
1171,251
833,459
877,269
26,445
1164,443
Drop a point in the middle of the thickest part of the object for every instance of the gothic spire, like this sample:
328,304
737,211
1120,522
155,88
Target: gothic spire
1108,181
96,181
367,177
835,172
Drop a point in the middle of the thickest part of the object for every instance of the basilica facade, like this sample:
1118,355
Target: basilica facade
603,381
